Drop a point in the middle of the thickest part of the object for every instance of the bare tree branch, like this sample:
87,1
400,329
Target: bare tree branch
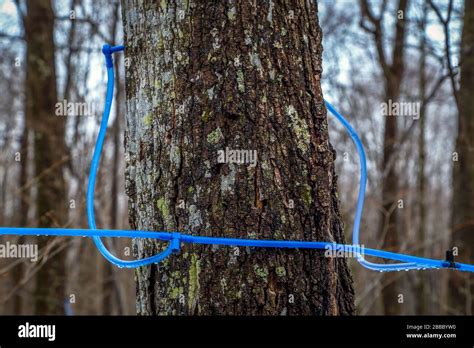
376,32
447,47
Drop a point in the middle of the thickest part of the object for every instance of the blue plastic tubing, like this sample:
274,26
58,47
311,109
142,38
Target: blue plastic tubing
174,239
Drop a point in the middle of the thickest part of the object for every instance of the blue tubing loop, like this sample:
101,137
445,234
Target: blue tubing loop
173,245
361,197
174,239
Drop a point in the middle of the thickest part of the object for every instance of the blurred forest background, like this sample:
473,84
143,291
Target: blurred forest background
420,186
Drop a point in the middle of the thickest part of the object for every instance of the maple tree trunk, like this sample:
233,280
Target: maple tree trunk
206,76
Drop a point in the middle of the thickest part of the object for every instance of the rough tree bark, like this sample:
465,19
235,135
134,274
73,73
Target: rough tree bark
461,284
49,149
204,76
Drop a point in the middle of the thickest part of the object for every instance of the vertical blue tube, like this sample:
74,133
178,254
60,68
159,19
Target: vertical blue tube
173,245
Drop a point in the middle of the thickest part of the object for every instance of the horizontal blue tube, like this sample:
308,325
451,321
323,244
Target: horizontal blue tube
421,262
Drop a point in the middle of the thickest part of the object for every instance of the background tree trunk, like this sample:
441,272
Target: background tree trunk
422,296
49,151
24,208
461,284
390,194
392,67
205,76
